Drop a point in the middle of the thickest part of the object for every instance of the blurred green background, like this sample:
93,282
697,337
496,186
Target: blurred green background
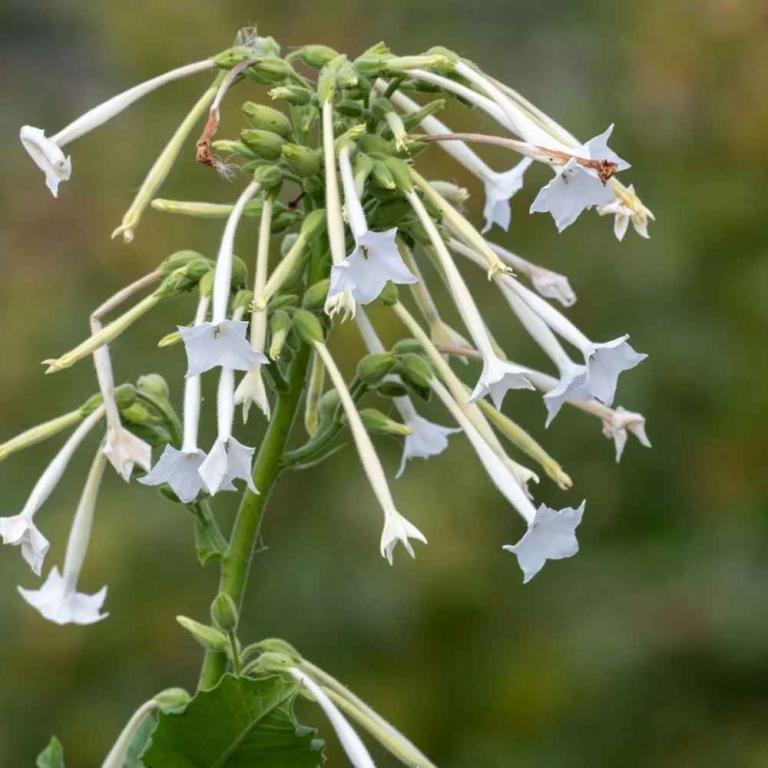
650,648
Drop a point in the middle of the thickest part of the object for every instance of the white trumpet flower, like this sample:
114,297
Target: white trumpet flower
58,599
499,187
575,186
498,376
222,342
251,390
20,530
426,439
623,214
550,536
47,152
350,741
375,259
396,527
180,468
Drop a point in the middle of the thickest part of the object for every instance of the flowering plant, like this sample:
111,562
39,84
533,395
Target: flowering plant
346,218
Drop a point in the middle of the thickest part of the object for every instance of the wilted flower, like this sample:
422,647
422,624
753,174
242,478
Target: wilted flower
623,214
616,424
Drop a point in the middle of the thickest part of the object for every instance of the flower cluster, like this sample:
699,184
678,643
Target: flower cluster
334,173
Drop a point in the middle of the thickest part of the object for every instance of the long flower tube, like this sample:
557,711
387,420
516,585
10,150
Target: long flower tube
47,151
396,527
20,530
251,390
350,741
221,342
58,599
498,375
40,432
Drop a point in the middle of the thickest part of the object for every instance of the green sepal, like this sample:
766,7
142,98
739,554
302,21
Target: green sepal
52,756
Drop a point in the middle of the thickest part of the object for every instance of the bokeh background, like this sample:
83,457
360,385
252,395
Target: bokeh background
650,648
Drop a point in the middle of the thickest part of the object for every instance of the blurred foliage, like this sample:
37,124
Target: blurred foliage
648,649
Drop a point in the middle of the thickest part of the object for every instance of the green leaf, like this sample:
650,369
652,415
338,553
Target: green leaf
52,756
241,723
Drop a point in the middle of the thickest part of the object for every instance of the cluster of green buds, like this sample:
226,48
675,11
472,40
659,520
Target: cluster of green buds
336,183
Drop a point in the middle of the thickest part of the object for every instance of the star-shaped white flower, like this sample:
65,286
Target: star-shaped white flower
605,362
374,262
426,439
61,603
124,451
251,391
574,187
21,531
180,469
48,157
618,423
224,344
550,536
227,461
571,386
497,378
623,214
398,529
499,188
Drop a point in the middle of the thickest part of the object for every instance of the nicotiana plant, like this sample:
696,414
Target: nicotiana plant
331,174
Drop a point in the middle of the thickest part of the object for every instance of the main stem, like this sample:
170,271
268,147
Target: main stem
237,559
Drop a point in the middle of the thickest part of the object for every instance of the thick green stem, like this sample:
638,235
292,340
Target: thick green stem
237,559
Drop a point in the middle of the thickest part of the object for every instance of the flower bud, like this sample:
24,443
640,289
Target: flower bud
269,176
276,645
400,173
205,286
283,300
229,147
293,94
327,406
389,296
378,423
350,108
183,279
172,700
279,326
232,57
239,273
390,213
271,70
315,296
266,118
210,638
414,370
154,385
177,261
224,612
312,186
308,327
313,222
413,119
316,56
363,167
391,388
373,143
404,346
174,337
264,144
271,661
374,367
453,193
383,176
243,299
302,160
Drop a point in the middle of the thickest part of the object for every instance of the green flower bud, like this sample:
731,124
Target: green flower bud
293,94
276,645
125,395
405,346
279,326
271,70
315,296
282,301
264,144
243,299
374,367
178,260
414,370
154,385
302,160
350,108
205,286
383,176
224,612
174,337
314,222
391,388
412,119
313,186
229,147
378,423
267,119
396,212
239,273
183,279
308,327
363,167
272,661
400,173
232,57
269,176
389,296
316,56
172,700
373,143
210,638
